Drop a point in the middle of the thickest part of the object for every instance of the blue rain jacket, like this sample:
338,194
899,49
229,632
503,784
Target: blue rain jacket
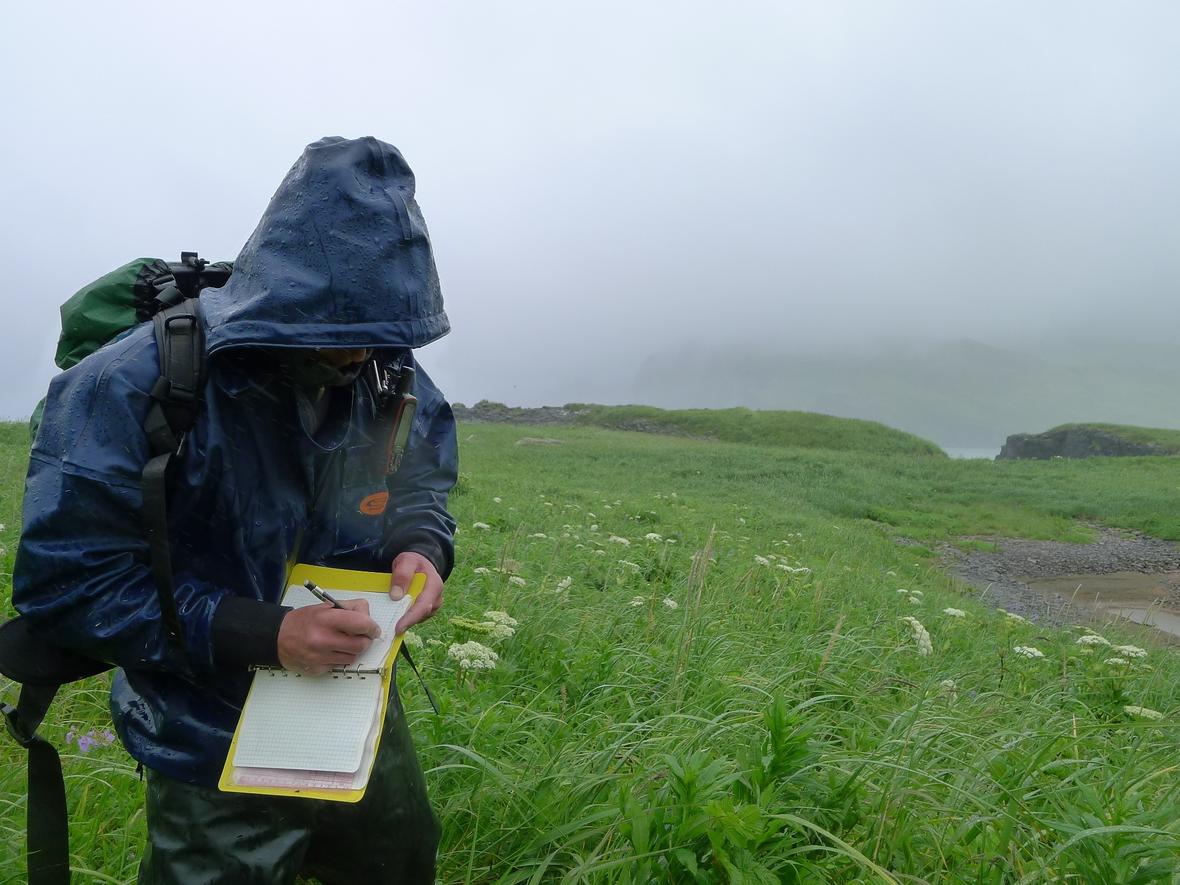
341,258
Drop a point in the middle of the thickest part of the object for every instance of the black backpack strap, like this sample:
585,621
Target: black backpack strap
405,653
175,401
41,669
48,845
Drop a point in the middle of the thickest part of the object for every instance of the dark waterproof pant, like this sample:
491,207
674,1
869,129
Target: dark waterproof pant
201,835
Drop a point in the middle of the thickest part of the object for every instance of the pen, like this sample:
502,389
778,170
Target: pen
320,594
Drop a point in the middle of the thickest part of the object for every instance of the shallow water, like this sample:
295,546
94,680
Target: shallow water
1149,599
958,452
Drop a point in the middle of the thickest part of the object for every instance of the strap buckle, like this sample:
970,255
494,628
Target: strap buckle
16,727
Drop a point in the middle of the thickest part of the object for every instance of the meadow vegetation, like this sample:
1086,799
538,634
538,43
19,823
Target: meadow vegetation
715,662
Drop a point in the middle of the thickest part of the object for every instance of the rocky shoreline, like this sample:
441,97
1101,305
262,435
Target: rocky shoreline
1003,578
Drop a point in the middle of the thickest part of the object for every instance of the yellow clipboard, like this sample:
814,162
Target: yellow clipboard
329,579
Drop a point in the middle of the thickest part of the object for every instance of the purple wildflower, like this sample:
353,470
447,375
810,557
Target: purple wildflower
86,742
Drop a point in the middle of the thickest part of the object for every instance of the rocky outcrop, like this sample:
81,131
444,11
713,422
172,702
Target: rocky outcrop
498,413
1074,442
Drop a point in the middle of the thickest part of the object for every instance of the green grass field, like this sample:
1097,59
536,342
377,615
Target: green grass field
712,681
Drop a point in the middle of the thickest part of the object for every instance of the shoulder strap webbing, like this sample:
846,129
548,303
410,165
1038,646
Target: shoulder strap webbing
175,401
48,845
405,653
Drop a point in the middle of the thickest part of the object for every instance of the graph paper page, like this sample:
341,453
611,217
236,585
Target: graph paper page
316,723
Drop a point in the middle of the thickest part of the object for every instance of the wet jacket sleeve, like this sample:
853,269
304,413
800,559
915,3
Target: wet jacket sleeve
82,572
417,519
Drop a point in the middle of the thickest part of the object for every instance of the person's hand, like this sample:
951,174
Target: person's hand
429,600
315,638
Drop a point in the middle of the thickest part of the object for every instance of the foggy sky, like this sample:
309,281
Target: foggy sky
604,181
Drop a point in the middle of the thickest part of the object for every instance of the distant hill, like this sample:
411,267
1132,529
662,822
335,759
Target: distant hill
769,428
961,393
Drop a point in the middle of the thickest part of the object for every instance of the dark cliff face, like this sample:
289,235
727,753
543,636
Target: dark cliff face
1073,442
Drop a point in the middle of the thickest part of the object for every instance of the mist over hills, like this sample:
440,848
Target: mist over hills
962,393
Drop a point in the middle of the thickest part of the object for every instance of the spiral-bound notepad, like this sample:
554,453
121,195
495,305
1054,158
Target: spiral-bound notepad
317,736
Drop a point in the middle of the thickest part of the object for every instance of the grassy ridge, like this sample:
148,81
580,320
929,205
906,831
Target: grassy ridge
1168,440
805,430
725,691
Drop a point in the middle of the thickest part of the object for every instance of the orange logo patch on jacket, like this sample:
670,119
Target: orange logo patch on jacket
375,504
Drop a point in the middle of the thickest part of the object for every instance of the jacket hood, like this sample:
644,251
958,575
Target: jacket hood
341,258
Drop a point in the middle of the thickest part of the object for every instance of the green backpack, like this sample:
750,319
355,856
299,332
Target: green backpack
144,290
122,299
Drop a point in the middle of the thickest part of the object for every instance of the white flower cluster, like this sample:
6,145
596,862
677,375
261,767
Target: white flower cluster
637,601
761,560
802,570
1143,712
954,612
920,635
1117,661
615,539
564,584
482,526
671,603
1129,651
501,618
631,566
473,656
653,536
517,581
1013,617
413,640
1092,639
1028,651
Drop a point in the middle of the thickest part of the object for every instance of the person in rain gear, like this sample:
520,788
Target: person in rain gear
277,468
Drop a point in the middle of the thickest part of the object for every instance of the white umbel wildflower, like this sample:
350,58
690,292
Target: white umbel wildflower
1012,616
1028,651
632,566
920,635
498,499
564,584
483,570
413,640
1129,651
1143,712
538,535
954,612
761,560
501,618
1118,662
653,536
615,539
497,632
671,603
517,581
902,590
637,601
482,526
473,655
1092,639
